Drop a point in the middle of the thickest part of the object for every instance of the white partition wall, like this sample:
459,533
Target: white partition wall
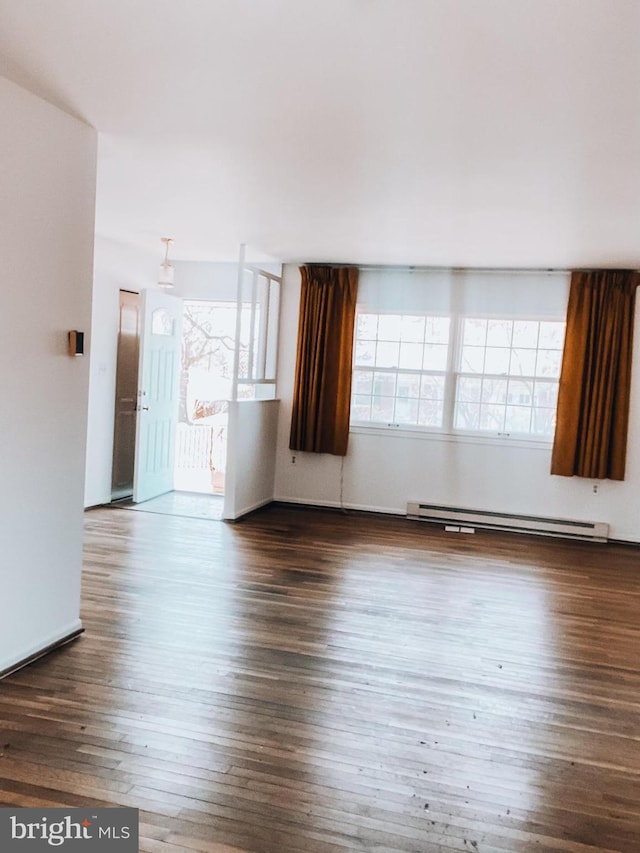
46,245
253,409
251,456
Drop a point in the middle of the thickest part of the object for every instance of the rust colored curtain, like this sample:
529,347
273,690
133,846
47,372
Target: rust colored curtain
593,402
322,391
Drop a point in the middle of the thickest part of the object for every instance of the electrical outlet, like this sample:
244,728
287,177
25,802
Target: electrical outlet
293,460
595,488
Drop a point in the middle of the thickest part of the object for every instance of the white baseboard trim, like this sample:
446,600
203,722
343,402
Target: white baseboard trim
624,540
385,510
381,510
42,647
247,510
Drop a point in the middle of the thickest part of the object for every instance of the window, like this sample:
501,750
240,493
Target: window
162,322
400,365
507,379
258,334
457,374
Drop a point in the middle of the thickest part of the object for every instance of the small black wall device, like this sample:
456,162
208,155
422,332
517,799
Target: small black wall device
76,343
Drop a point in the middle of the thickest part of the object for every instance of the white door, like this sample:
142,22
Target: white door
160,345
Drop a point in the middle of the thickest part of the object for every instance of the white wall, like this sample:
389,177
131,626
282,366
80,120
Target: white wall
122,267
116,267
47,209
382,471
251,456
201,280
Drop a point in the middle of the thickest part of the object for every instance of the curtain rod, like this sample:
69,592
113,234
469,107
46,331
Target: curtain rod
508,270
383,268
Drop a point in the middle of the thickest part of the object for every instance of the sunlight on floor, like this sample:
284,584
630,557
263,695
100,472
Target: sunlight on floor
185,504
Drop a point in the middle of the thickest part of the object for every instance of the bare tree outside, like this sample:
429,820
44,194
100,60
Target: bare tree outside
208,343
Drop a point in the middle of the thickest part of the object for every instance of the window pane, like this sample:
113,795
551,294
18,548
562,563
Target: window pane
432,388
518,419
387,354
430,413
472,359
382,409
367,327
365,353
520,393
546,394
467,416
389,327
543,421
360,407
437,330
499,333
523,362
494,391
469,390
412,329
362,382
384,384
162,322
411,356
551,335
525,333
406,411
548,362
435,357
492,418
475,332
496,360
408,385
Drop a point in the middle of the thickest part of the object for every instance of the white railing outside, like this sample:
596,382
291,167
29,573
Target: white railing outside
200,456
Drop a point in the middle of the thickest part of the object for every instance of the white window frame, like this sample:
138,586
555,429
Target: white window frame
452,374
259,291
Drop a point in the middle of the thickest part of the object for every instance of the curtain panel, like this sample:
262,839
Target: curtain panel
595,380
322,389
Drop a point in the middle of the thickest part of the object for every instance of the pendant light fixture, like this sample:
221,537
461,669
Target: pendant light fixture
166,267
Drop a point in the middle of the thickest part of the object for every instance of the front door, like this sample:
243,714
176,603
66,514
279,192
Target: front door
160,343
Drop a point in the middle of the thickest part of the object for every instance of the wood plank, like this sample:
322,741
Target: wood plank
315,681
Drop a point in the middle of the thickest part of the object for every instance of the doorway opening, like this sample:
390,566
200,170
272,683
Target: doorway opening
206,380
124,434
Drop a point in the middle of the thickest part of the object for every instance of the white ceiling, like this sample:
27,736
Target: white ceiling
425,132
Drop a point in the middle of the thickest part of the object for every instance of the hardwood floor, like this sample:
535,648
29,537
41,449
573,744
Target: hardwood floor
312,681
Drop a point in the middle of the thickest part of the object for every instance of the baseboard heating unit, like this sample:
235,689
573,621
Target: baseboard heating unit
593,531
